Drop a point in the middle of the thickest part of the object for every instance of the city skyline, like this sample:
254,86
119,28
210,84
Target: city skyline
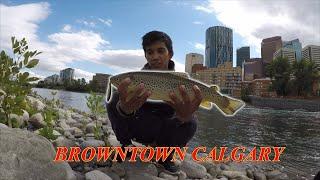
100,37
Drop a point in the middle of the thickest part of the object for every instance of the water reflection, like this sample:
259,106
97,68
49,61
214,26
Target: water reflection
297,130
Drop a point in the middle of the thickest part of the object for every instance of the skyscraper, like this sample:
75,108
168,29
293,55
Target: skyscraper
219,47
191,59
296,46
312,53
286,53
67,75
243,54
268,47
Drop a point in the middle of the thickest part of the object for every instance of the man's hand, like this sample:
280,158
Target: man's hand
185,107
136,101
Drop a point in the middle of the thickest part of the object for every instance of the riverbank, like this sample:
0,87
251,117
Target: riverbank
76,129
285,103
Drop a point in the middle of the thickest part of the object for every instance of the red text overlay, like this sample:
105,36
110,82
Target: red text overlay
146,154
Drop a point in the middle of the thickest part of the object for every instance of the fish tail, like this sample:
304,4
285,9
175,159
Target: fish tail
229,106
108,93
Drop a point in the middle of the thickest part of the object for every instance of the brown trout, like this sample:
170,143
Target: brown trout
161,83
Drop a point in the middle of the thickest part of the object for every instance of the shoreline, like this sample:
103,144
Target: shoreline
77,130
285,104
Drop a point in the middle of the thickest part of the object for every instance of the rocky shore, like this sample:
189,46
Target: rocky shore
27,155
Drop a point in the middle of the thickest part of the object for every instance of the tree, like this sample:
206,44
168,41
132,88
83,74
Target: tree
279,71
305,73
13,82
245,92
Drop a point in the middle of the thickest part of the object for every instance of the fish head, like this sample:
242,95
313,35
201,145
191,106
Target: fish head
117,79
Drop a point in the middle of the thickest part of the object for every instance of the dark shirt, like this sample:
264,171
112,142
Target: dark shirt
152,122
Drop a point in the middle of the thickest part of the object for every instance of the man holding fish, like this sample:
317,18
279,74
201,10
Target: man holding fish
169,123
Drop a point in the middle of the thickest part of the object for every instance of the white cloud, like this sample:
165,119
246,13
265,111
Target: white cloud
197,22
66,28
87,23
197,45
203,9
79,73
67,46
21,21
107,22
179,67
200,46
255,20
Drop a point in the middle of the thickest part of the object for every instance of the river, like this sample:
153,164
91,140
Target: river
298,131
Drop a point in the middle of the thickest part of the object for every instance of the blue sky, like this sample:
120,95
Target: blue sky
105,36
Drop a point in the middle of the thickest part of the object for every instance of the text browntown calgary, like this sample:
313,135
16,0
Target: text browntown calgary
146,154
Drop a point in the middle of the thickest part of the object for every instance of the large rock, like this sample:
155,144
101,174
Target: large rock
3,126
37,121
259,176
77,117
90,128
62,141
97,175
110,173
141,176
25,116
77,132
92,143
137,167
25,155
17,119
71,121
233,174
165,175
112,139
36,103
193,169
62,123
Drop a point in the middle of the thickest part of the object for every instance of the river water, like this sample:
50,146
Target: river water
298,131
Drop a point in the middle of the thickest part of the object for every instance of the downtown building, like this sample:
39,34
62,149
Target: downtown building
219,46
227,77
296,46
101,81
268,47
243,54
312,53
252,69
67,75
53,79
191,59
286,53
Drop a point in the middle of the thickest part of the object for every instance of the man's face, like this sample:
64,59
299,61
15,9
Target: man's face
158,56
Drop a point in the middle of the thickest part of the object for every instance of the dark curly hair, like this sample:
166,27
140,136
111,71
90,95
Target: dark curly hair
157,36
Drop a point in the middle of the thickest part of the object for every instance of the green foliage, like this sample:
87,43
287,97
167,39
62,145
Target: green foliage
54,103
47,131
245,92
279,70
96,106
14,83
305,73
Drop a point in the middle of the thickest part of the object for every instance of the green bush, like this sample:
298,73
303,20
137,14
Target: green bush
14,80
96,106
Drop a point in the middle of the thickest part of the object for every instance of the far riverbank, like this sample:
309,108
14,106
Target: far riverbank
286,103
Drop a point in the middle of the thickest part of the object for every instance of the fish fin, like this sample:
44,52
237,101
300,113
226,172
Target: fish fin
230,106
214,88
108,93
206,104
181,74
